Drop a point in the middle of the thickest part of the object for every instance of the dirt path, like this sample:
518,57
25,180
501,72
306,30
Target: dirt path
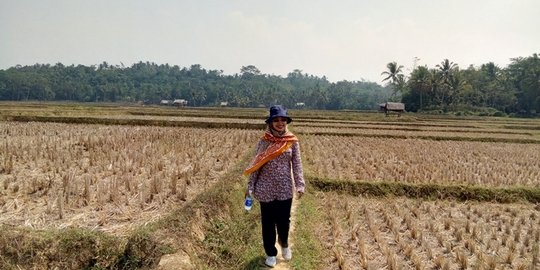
282,264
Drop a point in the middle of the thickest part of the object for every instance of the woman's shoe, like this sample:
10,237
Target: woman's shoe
286,253
270,261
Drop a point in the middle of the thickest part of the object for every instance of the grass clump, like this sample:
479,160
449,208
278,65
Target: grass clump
62,249
142,250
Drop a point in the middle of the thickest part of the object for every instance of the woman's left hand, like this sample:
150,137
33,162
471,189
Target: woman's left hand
300,194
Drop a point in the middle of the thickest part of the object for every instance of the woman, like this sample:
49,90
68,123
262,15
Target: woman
272,173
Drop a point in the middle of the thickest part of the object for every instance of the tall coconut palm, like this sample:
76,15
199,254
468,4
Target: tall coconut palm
446,68
394,74
446,71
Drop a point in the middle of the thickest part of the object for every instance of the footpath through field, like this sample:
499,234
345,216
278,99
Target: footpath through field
283,264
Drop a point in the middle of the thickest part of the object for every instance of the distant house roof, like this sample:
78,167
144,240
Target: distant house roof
180,101
393,106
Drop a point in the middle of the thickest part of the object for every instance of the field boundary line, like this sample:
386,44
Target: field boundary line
133,122
423,137
428,191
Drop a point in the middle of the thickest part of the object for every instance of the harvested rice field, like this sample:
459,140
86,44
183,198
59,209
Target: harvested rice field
108,178
400,233
103,186
418,161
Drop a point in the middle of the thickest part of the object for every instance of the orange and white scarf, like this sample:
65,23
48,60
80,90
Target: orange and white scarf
278,145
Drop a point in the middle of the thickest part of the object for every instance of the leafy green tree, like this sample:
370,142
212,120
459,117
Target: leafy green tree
524,75
419,86
250,70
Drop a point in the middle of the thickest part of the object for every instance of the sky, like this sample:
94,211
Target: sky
350,40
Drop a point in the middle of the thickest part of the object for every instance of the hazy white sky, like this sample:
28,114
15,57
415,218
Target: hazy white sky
343,40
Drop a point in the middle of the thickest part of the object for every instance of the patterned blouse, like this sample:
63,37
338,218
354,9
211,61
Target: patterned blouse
274,180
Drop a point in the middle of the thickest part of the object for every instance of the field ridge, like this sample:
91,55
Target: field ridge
428,191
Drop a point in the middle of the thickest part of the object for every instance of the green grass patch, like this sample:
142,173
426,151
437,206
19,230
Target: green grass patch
308,250
429,191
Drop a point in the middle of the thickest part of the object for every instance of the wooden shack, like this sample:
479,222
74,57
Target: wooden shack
389,107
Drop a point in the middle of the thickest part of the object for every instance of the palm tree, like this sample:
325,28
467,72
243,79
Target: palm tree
394,74
446,69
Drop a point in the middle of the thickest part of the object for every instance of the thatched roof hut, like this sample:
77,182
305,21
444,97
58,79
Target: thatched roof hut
392,107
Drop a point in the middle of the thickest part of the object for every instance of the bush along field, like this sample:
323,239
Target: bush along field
127,187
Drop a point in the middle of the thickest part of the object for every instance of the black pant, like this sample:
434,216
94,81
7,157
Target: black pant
275,214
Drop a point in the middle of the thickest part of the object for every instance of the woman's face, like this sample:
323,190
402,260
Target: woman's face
279,124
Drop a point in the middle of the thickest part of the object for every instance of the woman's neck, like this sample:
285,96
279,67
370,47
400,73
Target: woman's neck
278,133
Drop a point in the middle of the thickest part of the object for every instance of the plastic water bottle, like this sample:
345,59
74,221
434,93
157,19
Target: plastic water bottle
248,203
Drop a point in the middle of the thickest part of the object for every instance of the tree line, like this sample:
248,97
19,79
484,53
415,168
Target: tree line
489,88
149,82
